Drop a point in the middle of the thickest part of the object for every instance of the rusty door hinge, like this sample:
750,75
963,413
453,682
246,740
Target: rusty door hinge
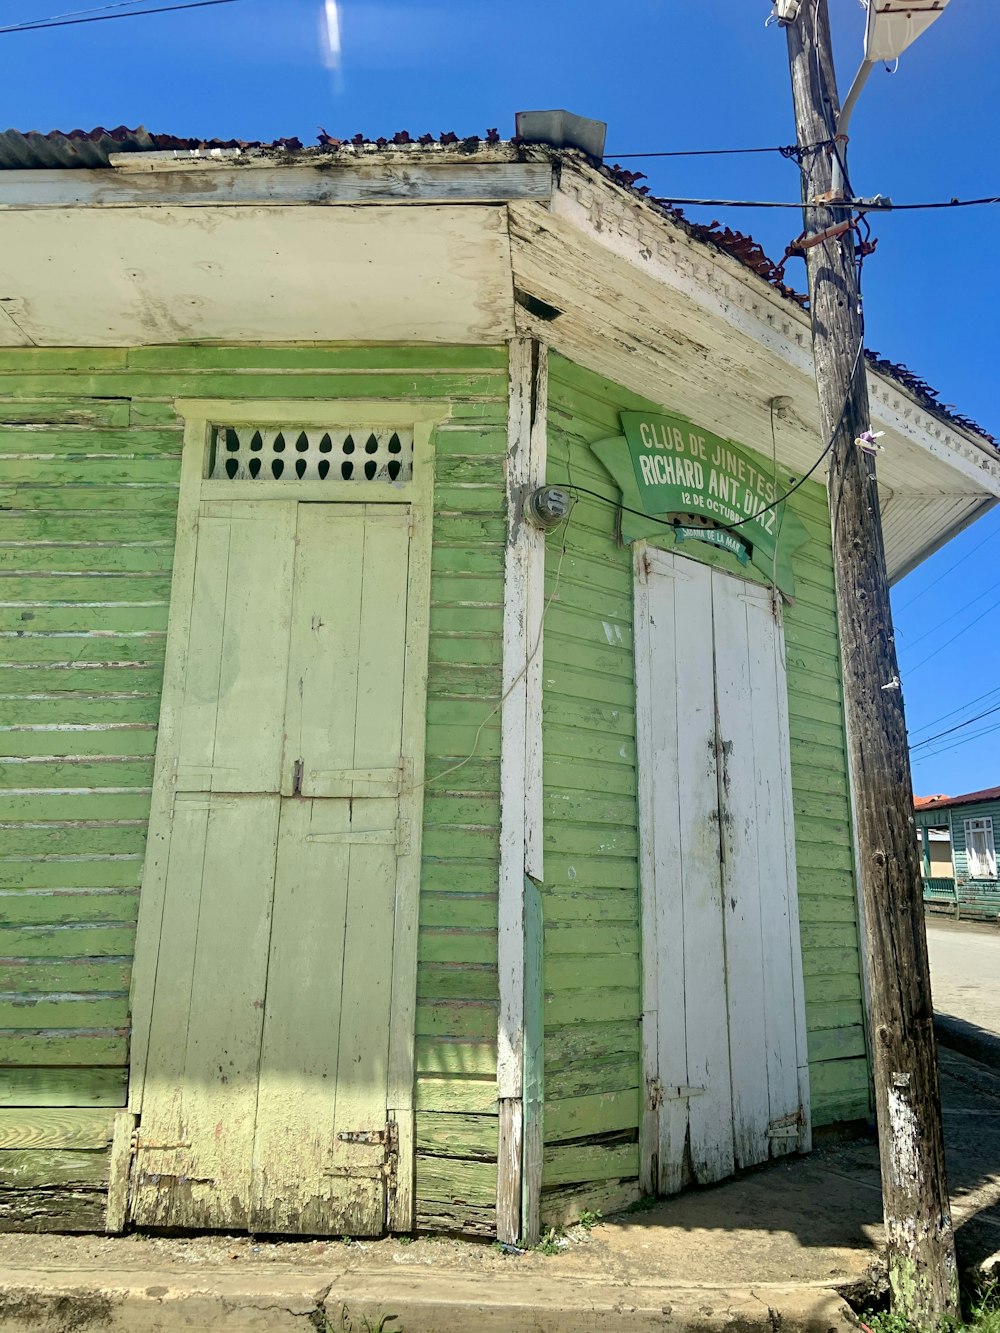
387,1138
787,1126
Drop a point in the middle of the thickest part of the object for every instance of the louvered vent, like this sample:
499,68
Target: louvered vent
245,453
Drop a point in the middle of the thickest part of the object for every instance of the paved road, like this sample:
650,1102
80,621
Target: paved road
965,972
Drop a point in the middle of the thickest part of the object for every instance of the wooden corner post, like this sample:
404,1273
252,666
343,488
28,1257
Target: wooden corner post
919,1233
520,781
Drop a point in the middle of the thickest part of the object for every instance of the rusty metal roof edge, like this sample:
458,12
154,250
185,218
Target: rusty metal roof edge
95,149
922,803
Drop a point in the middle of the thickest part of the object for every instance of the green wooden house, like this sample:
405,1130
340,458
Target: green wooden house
373,859
968,826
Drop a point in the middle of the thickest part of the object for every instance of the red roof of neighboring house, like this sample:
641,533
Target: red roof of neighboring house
970,798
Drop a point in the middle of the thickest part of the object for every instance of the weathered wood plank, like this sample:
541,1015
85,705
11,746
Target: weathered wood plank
450,1180
572,1164
88,1049
35,1168
62,1128
472,1096
563,1206
33,1012
456,1055
471,1137
41,412
62,1087
592,1079
592,1114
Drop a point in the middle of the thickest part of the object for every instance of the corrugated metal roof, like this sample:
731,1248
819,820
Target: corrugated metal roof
943,802
93,148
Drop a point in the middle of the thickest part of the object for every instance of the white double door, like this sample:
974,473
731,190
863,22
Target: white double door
723,1012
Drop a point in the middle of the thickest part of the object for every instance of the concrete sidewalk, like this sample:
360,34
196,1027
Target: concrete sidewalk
777,1247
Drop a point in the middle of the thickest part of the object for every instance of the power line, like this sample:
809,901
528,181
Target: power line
878,205
941,647
72,13
960,709
65,22
964,740
786,150
948,619
917,595
959,726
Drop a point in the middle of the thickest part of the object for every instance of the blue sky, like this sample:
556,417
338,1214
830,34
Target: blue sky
664,75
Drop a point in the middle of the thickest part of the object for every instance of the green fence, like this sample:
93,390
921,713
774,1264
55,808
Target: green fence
974,899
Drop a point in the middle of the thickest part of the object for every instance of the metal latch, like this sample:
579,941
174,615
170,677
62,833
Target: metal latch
367,1136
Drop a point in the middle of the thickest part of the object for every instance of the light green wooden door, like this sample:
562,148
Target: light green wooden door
264,1101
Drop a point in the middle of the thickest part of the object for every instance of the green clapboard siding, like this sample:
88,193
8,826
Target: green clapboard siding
591,894
90,450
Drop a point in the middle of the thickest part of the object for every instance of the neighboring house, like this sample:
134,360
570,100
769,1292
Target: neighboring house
490,876
971,824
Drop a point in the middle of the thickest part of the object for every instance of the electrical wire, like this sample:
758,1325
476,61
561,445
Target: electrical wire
786,150
934,582
948,642
954,745
66,22
865,205
72,13
912,643
970,703
959,726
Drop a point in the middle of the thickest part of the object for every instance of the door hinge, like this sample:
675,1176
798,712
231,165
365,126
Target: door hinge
786,1126
138,1146
387,1138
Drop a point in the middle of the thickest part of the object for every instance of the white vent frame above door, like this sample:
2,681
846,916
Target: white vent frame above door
365,421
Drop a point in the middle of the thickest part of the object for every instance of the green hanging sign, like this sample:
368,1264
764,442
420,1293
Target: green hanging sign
666,468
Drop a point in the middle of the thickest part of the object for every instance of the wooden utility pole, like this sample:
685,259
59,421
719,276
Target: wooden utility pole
919,1235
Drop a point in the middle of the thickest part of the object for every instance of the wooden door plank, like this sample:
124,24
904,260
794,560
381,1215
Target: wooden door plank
666,969
742,749
696,793
202,651
196,1133
292,1189
323,674
227,1003
232,711
163,1093
775,836
254,660
362,1070
363,1063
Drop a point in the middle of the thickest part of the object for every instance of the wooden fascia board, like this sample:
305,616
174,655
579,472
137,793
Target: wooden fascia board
217,184
719,285
895,409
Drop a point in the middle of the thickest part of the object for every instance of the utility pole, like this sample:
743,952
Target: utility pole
919,1235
